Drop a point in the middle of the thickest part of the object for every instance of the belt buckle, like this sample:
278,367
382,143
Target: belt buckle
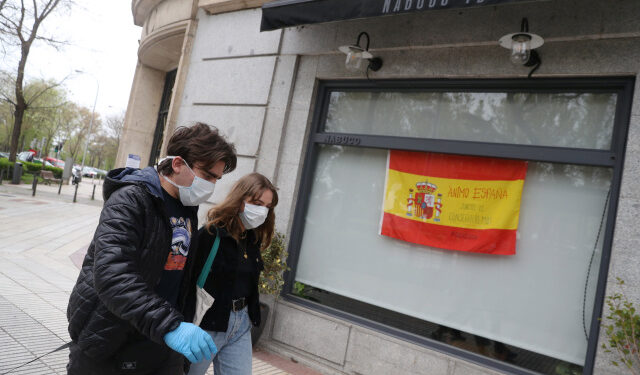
240,302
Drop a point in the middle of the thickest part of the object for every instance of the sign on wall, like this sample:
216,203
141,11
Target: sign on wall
286,13
453,202
133,161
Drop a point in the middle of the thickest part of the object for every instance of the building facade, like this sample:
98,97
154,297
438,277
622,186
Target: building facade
356,301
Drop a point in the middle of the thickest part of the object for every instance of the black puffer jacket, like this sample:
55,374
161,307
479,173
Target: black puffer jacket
113,300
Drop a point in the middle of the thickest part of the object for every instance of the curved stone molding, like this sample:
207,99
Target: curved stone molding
222,6
164,23
141,9
162,49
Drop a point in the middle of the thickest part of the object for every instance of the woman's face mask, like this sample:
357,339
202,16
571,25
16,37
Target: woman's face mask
253,215
199,191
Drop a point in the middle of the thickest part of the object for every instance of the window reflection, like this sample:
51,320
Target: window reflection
575,120
526,309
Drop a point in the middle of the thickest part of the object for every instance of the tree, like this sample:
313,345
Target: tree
104,147
75,127
43,118
6,116
114,125
19,25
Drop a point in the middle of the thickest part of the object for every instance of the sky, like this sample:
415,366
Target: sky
102,42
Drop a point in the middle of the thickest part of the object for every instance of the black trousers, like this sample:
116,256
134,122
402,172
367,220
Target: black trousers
81,364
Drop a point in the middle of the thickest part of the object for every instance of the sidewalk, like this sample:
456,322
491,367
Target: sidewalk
85,191
42,240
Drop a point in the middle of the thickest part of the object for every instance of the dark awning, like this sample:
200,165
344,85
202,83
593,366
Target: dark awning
285,13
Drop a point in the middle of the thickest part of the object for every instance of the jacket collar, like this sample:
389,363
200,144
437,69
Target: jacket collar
251,234
147,177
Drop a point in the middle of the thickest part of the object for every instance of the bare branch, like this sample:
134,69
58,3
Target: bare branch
19,25
52,42
47,107
21,22
8,24
49,7
4,98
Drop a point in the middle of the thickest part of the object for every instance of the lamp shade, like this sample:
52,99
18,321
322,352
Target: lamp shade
507,41
355,55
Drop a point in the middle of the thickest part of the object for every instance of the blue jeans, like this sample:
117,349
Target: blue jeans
234,348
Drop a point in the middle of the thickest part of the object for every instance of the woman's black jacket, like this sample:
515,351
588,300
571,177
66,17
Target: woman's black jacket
113,301
220,281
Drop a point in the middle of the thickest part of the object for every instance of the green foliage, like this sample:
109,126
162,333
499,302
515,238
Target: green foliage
52,116
4,163
28,179
300,289
623,332
6,167
57,172
274,258
30,167
568,369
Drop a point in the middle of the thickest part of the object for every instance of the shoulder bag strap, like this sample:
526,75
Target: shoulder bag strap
207,265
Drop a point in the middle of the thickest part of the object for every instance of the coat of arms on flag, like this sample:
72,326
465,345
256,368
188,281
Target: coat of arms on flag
453,202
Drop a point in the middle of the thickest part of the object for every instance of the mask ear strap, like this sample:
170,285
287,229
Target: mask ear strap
174,157
171,182
188,166
184,161
165,177
163,159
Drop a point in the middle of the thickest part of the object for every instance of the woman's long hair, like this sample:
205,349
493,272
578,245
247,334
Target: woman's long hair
225,214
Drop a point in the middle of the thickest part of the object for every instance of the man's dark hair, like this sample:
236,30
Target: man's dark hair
199,145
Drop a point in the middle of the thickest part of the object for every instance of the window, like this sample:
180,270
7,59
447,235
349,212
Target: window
576,120
534,309
163,113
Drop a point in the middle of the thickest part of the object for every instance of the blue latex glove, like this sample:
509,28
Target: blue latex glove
191,341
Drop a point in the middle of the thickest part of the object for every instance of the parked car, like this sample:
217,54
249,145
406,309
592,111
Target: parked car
101,172
4,155
55,162
25,156
89,172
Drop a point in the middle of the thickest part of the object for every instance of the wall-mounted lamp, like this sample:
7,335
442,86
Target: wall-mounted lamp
355,55
522,46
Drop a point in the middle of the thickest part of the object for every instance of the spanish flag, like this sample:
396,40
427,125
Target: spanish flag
453,202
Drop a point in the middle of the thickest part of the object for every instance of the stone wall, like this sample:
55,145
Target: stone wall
258,88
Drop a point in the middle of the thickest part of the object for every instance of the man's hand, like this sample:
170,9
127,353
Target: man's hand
191,341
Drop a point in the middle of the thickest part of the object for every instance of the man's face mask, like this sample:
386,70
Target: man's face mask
199,191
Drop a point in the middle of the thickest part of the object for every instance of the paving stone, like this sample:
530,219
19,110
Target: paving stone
36,278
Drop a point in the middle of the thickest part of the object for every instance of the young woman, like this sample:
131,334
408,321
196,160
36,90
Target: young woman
244,221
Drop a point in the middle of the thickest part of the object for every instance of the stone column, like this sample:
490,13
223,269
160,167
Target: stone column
142,114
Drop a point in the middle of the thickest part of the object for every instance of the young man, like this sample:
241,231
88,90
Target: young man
125,309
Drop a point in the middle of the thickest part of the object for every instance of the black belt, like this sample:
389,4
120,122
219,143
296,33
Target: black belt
238,304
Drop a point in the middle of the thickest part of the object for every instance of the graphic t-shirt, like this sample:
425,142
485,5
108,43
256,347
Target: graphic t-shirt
181,219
